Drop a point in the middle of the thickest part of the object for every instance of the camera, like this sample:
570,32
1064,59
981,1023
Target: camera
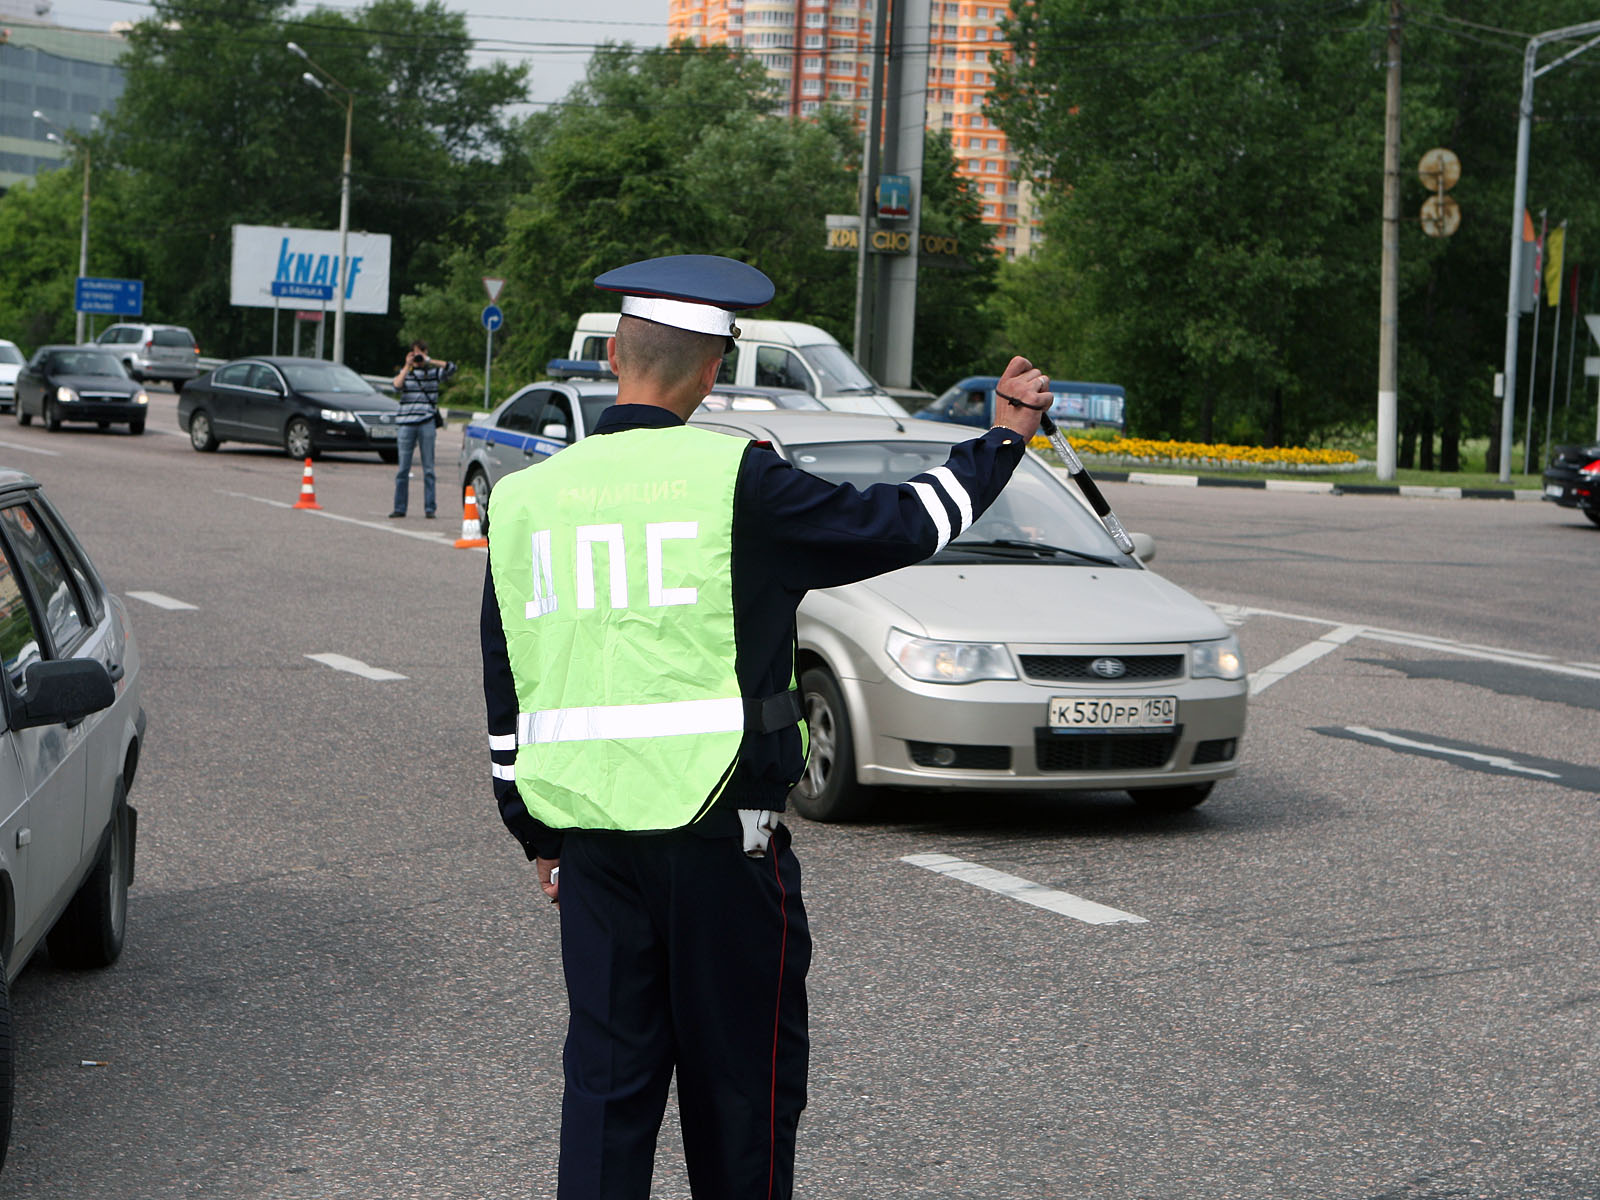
419,359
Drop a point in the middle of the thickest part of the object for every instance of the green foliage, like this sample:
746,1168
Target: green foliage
954,325
215,129
1212,186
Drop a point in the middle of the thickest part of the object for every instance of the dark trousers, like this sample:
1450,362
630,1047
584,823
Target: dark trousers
681,952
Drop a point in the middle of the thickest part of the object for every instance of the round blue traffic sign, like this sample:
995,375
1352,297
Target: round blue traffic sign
493,318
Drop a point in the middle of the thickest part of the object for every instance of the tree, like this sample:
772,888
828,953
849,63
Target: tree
216,129
1208,192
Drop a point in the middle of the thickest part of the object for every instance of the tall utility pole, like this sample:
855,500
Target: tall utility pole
1389,305
1519,202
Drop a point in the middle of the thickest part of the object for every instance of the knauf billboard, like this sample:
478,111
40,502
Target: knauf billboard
305,263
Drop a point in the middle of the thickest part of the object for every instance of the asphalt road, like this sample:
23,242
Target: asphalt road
1367,967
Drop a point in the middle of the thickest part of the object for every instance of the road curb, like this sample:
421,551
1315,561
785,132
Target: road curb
1315,486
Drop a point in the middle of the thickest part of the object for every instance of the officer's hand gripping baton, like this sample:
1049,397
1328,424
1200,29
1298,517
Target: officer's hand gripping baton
1086,484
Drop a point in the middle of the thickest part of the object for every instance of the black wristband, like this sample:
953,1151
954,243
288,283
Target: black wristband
1020,403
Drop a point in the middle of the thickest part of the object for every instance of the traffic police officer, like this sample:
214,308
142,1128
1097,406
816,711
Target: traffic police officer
645,727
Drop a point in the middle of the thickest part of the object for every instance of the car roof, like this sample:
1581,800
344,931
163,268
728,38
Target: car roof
789,426
12,480
988,382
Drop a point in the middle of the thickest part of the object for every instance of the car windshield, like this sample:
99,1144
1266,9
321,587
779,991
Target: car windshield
836,370
86,362
10,354
324,377
1034,518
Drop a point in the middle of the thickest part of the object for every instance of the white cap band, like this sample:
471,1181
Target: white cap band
680,314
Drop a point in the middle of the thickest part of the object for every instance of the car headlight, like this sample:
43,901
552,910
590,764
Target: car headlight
948,662
141,398
337,415
1216,660
66,395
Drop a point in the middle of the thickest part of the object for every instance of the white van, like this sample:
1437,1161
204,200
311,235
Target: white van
783,354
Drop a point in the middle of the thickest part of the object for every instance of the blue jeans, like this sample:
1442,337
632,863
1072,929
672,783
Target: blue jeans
418,436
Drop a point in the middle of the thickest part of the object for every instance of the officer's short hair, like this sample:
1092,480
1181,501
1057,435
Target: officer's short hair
671,357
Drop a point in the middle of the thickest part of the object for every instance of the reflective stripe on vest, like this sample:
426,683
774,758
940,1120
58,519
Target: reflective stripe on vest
612,571
669,718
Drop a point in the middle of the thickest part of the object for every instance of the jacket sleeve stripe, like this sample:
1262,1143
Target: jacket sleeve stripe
502,741
952,488
504,771
935,506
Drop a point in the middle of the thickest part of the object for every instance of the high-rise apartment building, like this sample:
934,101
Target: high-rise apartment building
818,52
70,75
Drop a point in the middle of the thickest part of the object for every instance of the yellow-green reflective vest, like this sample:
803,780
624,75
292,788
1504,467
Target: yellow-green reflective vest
611,565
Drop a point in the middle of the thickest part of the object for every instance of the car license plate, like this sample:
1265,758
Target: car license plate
1108,712
379,432
1554,489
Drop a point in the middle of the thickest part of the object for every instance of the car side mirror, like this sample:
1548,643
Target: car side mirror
555,432
1144,546
64,690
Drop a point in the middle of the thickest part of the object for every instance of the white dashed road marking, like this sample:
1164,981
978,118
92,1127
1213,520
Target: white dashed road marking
384,526
31,449
1261,680
160,601
355,666
1498,761
1017,888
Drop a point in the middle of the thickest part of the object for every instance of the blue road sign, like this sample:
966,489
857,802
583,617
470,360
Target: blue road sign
118,297
493,318
894,196
302,291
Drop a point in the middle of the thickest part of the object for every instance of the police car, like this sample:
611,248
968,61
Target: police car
545,417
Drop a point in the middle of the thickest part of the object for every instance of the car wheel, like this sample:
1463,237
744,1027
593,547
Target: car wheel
297,439
136,426
829,791
177,386
389,456
7,1065
51,419
102,424
201,436
479,483
1593,515
1170,799
90,932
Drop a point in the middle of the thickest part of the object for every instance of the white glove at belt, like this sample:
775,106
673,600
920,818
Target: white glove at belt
758,826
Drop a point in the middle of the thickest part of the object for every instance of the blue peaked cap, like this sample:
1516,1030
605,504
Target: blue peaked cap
698,292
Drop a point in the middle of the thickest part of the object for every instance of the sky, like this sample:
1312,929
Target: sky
555,46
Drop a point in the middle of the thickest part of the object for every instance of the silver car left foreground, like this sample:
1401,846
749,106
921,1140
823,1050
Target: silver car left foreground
1029,653
71,725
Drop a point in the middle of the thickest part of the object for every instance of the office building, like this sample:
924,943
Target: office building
70,75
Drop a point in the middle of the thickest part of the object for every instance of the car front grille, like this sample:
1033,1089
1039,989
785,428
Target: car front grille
371,418
1056,668
1104,751
103,397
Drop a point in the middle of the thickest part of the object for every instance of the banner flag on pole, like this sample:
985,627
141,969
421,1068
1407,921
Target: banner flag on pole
1528,284
1555,243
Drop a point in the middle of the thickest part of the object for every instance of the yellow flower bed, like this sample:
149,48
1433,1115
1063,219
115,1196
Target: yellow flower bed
1200,452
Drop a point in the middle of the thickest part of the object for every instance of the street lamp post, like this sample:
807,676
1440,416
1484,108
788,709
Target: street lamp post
344,192
59,136
1508,410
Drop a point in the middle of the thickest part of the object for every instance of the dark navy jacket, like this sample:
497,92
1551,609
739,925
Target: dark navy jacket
791,532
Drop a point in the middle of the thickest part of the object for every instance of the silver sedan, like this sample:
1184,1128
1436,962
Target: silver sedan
1030,653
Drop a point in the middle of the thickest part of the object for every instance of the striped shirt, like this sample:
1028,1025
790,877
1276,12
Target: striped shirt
419,393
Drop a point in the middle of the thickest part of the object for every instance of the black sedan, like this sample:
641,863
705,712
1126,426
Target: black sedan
1572,479
308,406
79,383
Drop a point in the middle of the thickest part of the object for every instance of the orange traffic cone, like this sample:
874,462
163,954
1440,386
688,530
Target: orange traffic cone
471,530
308,490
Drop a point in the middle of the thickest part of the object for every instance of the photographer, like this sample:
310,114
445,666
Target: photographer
418,420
